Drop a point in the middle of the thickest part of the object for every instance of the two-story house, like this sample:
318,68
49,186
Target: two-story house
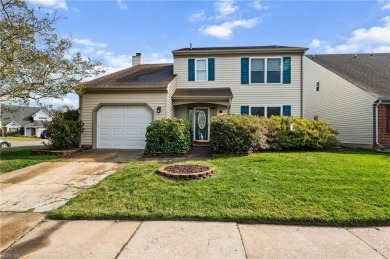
23,119
352,92
201,83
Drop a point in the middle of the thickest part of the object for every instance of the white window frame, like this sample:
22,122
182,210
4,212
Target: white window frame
266,70
196,69
266,109
13,129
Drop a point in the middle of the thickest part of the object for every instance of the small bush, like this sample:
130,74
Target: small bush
64,130
237,134
13,134
307,134
171,136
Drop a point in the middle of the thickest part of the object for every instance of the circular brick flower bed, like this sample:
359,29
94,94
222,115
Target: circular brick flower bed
186,171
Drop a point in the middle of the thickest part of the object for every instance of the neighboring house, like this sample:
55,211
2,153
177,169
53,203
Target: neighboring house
201,83
352,92
28,120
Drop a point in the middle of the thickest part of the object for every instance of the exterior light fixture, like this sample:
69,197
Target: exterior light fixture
159,109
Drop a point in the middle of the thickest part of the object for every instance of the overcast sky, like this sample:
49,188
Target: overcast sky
113,31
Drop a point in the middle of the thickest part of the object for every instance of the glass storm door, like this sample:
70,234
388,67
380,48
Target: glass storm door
201,124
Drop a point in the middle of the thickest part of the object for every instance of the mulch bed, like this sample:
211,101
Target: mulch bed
186,171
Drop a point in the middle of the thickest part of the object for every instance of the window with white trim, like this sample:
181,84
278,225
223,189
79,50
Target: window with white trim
201,69
266,70
257,70
265,111
13,129
259,111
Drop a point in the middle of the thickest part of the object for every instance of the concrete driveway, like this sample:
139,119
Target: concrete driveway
47,186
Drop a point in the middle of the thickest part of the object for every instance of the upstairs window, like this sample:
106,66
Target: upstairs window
201,69
274,70
265,70
257,70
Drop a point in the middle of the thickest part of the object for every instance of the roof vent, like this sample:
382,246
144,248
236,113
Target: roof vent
355,56
372,53
312,57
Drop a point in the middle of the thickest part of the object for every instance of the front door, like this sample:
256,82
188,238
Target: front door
201,124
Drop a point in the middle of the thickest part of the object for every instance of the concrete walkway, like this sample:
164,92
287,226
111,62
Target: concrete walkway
183,239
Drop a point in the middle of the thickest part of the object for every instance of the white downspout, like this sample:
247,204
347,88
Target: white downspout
377,123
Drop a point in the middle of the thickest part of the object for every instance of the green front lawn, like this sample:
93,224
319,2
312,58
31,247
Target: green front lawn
21,138
19,157
351,187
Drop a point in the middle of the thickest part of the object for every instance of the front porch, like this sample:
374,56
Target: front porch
198,106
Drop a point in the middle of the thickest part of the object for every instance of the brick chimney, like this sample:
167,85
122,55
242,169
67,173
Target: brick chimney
137,59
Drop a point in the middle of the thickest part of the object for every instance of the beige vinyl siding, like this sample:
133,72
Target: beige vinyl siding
169,105
348,108
181,112
91,100
228,74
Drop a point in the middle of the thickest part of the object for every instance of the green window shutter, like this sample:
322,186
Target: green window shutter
286,110
244,71
286,70
191,69
245,110
211,69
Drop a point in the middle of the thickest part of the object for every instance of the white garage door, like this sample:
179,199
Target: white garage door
122,127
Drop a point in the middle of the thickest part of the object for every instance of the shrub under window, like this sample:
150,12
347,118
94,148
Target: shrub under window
170,136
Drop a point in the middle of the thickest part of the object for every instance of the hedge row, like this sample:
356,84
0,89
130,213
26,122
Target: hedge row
244,134
171,136
237,134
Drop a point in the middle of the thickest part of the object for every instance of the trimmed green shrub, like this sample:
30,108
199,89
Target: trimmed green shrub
14,134
63,131
237,134
170,136
306,135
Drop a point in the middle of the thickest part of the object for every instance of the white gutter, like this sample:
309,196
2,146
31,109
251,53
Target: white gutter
376,122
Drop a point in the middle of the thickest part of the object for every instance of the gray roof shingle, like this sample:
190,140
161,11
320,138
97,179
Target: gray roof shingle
370,72
20,114
203,92
145,76
239,47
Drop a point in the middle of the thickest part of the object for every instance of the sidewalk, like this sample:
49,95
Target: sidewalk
184,239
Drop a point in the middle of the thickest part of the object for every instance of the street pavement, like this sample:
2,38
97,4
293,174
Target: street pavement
38,142
186,239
